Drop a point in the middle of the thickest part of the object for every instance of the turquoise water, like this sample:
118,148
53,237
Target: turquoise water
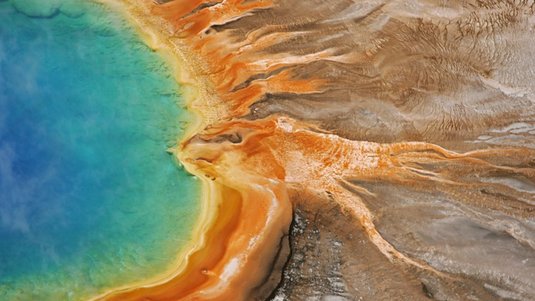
89,197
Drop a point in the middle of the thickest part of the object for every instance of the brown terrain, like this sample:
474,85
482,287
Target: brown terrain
399,135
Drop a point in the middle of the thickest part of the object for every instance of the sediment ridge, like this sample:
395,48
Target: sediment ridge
413,122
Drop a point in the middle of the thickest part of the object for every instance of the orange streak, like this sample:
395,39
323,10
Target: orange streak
178,8
229,64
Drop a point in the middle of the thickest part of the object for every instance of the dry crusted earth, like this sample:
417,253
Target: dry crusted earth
404,132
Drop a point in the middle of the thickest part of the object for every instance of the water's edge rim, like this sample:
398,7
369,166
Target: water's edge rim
176,59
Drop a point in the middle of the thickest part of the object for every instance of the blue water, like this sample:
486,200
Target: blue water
89,197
